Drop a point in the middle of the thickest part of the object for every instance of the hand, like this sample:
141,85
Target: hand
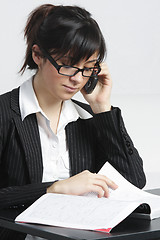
99,99
82,183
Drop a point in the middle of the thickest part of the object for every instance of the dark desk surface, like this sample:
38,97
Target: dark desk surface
129,229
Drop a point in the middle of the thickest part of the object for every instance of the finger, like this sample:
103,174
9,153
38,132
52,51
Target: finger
98,190
111,184
103,185
108,181
104,68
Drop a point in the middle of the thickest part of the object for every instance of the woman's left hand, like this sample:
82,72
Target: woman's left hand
99,99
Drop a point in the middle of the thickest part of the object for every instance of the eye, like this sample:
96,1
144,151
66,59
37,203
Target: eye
88,69
66,66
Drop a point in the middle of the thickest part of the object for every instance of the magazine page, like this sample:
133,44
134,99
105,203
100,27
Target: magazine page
77,212
127,191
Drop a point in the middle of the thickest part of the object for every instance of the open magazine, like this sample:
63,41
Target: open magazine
90,212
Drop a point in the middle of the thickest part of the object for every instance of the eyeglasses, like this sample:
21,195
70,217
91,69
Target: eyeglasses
67,70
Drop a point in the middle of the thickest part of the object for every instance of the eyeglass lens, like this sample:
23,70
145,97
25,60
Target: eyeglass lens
71,71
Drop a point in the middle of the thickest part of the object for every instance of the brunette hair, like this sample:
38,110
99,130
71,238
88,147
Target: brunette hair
63,30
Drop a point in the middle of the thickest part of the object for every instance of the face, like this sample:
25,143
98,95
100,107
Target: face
60,87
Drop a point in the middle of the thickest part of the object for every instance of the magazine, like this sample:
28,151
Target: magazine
90,212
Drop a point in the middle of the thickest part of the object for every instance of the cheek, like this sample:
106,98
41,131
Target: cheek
54,79
51,74
84,82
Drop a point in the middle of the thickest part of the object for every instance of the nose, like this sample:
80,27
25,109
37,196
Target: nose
78,78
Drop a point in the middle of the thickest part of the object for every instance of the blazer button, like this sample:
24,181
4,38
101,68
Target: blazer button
125,136
121,129
130,151
128,144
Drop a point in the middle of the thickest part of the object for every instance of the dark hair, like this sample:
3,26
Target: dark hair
61,30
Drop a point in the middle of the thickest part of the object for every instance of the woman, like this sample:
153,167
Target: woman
48,142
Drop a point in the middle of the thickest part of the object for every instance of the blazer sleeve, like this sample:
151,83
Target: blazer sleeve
21,196
115,145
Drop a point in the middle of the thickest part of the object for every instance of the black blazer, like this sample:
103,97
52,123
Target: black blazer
91,142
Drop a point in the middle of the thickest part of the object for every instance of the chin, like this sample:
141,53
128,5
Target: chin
65,97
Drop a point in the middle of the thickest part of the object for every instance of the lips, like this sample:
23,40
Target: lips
70,89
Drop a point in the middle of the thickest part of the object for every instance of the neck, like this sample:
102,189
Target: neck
47,102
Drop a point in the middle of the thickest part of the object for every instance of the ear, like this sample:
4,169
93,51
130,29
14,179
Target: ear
36,54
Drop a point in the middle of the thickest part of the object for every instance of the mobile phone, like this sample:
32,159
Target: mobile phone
91,84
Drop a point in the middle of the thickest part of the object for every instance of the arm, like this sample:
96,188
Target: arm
113,141
121,153
21,196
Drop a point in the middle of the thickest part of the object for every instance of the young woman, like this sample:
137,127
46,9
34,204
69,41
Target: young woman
49,142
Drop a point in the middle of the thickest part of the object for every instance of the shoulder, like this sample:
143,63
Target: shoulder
7,100
5,113
5,96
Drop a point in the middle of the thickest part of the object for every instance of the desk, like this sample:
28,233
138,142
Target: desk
129,229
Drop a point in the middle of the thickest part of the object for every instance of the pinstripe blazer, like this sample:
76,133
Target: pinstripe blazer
91,142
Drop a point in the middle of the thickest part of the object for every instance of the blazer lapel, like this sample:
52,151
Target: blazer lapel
29,137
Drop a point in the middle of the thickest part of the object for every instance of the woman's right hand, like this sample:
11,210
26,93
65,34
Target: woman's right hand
82,183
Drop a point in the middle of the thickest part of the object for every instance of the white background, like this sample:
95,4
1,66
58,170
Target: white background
132,32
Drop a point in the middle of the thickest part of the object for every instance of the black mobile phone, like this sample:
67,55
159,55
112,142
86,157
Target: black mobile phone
90,85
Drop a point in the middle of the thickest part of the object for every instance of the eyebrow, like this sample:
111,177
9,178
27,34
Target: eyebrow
94,60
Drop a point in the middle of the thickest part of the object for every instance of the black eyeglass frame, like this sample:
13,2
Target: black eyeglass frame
58,67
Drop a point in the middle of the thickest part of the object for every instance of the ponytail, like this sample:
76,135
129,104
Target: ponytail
33,24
